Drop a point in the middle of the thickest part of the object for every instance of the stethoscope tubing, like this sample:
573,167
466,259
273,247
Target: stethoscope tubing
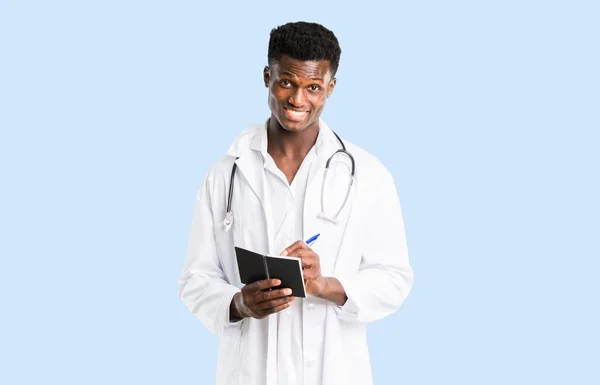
229,215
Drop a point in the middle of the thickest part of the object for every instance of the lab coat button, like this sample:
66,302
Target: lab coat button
310,362
311,307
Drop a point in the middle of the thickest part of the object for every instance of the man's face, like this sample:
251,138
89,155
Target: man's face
298,90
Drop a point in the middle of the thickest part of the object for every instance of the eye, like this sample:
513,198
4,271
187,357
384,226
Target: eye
315,88
284,83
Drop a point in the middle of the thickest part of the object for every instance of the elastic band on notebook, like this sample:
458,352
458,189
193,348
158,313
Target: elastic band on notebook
266,267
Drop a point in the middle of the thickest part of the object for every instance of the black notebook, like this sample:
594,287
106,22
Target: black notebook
256,267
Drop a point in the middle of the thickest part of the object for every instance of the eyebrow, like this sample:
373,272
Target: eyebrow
294,76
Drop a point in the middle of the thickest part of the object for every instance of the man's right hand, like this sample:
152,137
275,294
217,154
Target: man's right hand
256,301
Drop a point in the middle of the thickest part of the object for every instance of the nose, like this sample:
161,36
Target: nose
296,99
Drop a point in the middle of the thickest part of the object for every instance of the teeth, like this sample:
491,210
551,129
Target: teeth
296,113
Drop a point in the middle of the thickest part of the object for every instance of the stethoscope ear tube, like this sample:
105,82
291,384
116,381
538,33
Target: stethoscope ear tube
228,221
231,181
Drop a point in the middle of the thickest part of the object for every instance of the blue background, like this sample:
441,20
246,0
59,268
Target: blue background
487,114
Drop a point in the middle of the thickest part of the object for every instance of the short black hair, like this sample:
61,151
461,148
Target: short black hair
304,41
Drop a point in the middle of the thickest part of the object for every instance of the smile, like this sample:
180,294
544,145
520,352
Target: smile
295,114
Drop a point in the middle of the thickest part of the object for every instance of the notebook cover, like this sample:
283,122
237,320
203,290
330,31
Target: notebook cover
288,269
250,266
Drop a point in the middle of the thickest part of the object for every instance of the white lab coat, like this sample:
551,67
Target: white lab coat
365,250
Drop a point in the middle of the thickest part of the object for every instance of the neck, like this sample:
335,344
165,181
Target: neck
291,145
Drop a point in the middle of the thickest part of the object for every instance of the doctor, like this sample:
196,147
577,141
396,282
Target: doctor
269,194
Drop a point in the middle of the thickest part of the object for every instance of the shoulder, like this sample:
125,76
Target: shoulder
219,173
222,167
215,179
240,146
368,166
375,184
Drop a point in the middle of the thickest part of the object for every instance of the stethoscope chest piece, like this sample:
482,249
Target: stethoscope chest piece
228,221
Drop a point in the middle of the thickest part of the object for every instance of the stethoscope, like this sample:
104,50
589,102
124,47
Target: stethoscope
228,221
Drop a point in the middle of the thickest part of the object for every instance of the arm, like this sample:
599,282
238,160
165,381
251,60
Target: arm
332,290
385,276
202,286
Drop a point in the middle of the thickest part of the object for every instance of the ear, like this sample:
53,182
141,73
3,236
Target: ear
332,83
266,76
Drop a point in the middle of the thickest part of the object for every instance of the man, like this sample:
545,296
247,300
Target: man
356,272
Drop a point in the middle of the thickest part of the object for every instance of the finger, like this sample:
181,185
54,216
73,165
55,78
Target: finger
265,296
279,307
308,258
307,264
309,273
273,303
261,285
293,247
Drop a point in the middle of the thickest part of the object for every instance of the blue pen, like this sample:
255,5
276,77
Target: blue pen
312,239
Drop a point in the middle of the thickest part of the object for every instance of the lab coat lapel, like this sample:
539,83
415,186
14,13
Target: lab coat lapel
327,246
250,166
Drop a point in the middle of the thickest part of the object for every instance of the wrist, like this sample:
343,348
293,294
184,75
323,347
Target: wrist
332,290
324,287
234,308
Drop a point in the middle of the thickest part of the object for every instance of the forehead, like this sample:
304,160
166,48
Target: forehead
302,69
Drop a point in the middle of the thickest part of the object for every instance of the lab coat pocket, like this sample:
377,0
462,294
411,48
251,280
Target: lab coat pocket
228,362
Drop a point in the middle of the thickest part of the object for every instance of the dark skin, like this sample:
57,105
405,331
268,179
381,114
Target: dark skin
297,94
295,88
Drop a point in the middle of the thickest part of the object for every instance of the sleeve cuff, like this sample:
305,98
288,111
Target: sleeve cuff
225,319
349,311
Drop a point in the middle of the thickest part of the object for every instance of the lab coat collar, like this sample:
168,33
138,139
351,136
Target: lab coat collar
254,138
247,147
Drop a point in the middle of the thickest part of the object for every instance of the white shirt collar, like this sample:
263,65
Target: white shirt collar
255,138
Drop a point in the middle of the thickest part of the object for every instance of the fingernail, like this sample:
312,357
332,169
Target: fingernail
287,291
277,282
285,253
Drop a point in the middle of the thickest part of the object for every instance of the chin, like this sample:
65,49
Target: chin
294,126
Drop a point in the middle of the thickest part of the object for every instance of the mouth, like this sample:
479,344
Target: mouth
295,115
